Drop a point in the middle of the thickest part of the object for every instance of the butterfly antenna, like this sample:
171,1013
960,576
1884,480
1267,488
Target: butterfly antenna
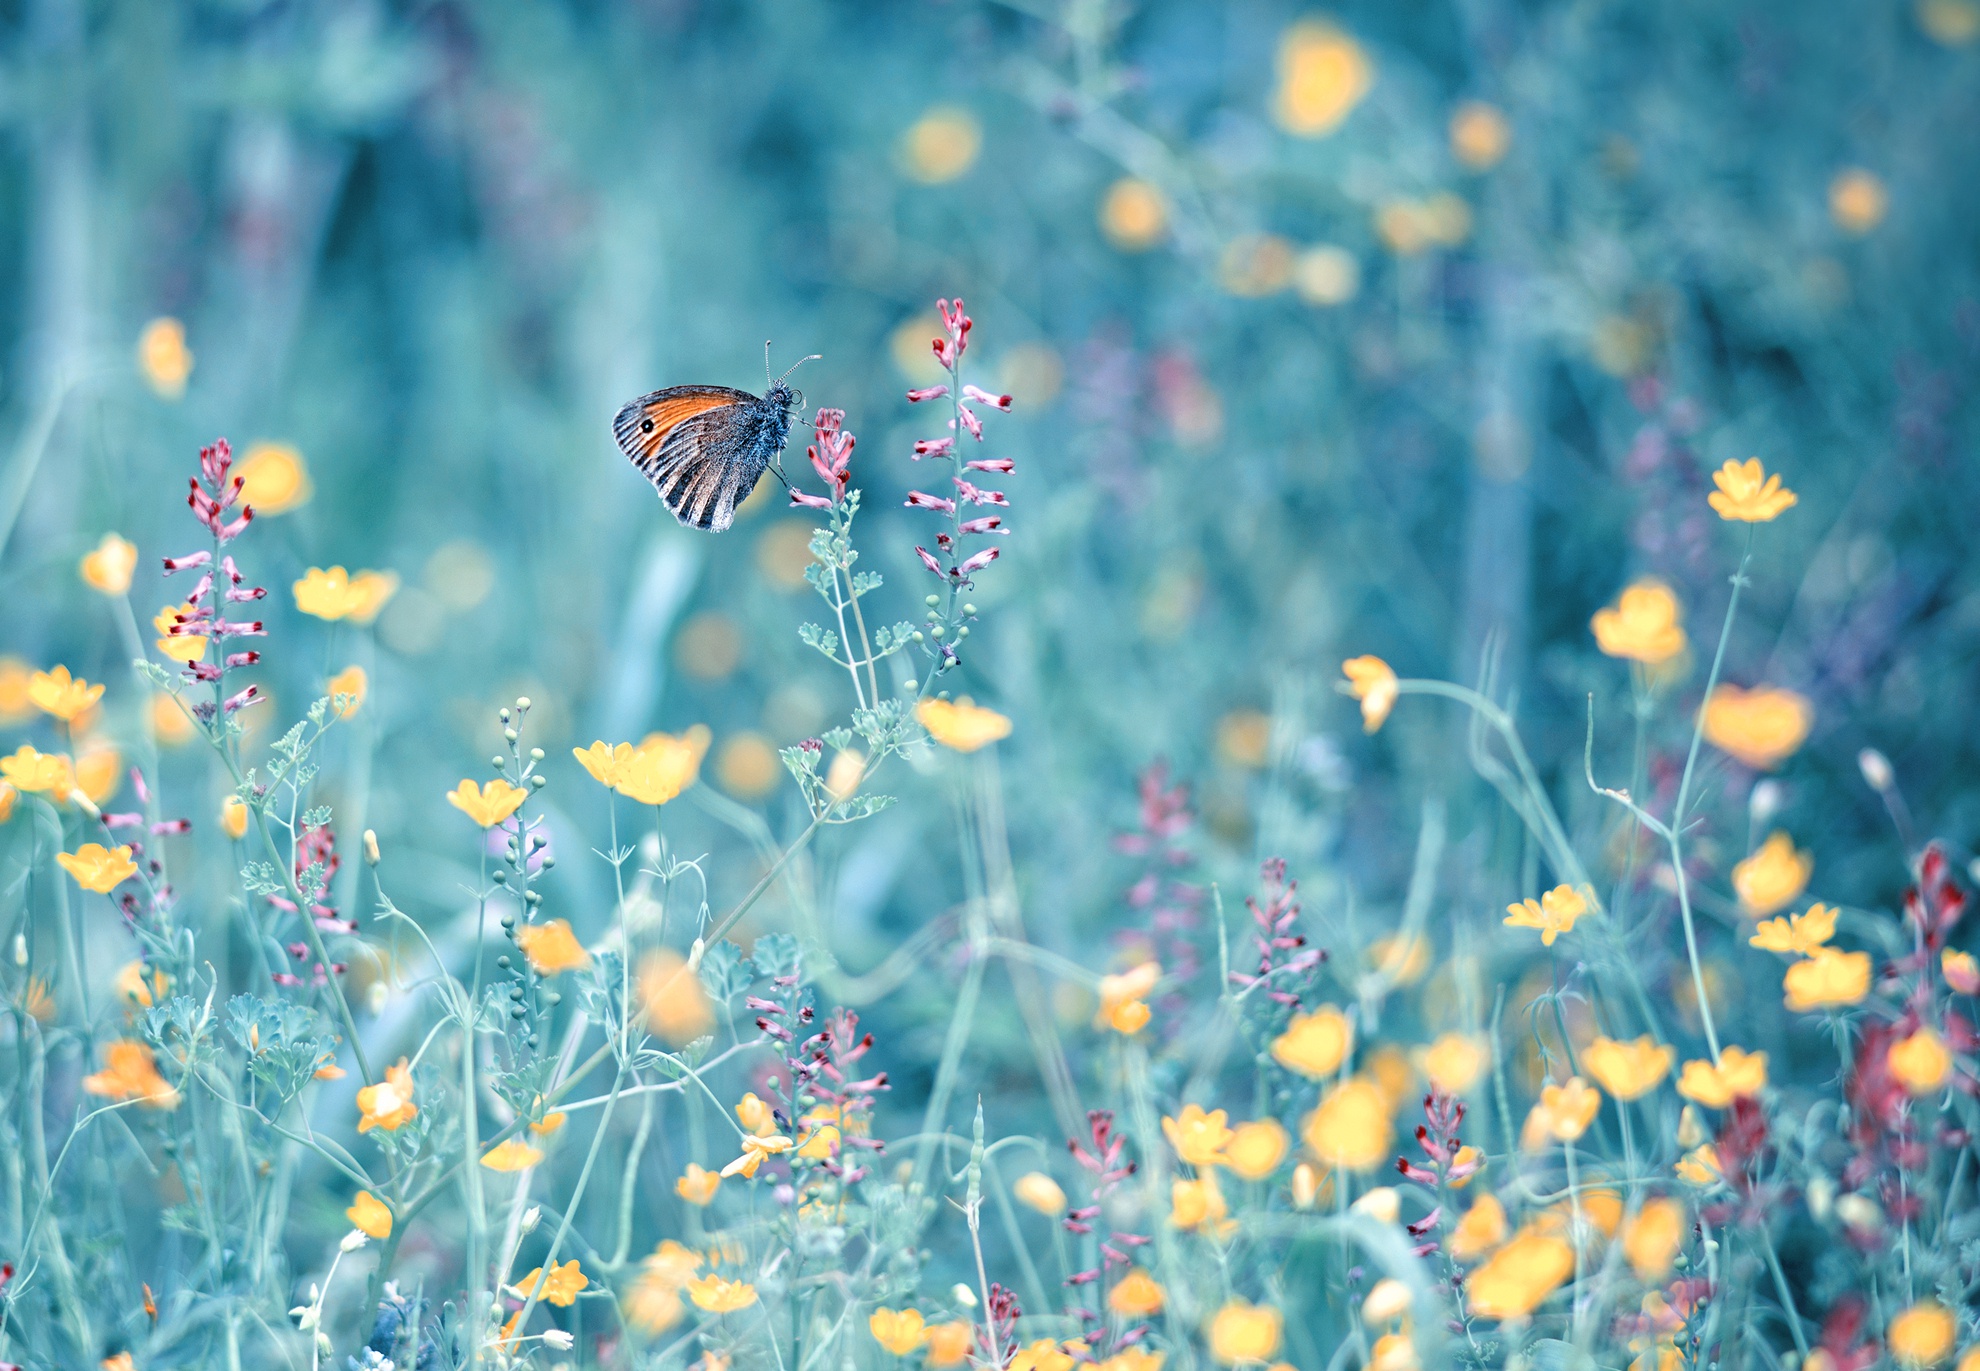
815,357
766,363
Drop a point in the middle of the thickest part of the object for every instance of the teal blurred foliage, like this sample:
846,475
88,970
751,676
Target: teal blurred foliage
434,246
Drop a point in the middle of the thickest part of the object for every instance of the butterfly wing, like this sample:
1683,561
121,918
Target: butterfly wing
695,444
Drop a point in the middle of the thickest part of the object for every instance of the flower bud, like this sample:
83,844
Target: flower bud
1305,1185
559,1340
1389,1299
1876,768
353,1240
20,949
371,847
1765,802
1860,1213
531,1217
522,702
963,1296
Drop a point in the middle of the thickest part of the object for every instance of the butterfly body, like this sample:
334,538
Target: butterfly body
704,448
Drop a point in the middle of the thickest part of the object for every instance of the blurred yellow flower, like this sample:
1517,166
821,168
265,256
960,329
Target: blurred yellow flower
677,1005
1390,1352
1314,1044
233,817
1387,1301
488,805
163,357
660,768
1407,227
1122,997
1351,1129
1307,1186
1373,682
1041,1355
1642,625
68,698
1198,1137
720,1296
1921,1061
108,568
962,725
1800,934
1700,1166
511,1154
551,947
949,1343
180,647
1482,1228
1961,969
38,773
548,1124
1564,1111
1629,1070
99,773
9,797
748,766
1747,494
652,1304
97,867
1039,1191
336,594
1323,75
1827,979
1137,1295
697,1186
169,722
1402,958
388,1104
1255,1149
1134,215
130,1072
754,1150
274,478
1389,1067
1197,1203
941,145
1952,24
1773,876
1327,275
1652,1240
140,989
14,703
369,1216
1553,913
1739,1073
1922,1335
819,1144
1480,135
1454,1062
1761,727
1857,201
352,682
1520,1275
559,1286
1244,738
898,1331
1242,1332
756,1116
1254,265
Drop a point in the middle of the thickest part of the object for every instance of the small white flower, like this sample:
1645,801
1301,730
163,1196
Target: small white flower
531,1217
558,1339
353,1240
305,1316
963,1296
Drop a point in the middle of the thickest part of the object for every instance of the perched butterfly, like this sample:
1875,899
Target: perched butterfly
705,447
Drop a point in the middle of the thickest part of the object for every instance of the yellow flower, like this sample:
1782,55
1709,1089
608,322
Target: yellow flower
1857,201
696,1186
1352,1128
1827,980
1388,1301
164,358
1390,1352
117,1361
67,698
755,1149
169,722
548,1124
142,990
1454,1062
1314,1044
1133,215
1039,1191
1133,1358
99,773
1553,913
941,145
336,594
1198,1137
1373,682
1401,959
1747,494
369,1216
1482,1228
180,647
1255,1149
274,479
97,867
351,681
1961,969
511,1155
1700,1166
551,947
1192,1204
1921,1061
1306,1185
1565,1111
233,817
962,725
677,1006
755,1115
559,1287
820,1144
1241,1332
1136,1296
489,806
1121,999
720,1296
661,767
9,797
1520,1275
948,1344
652,1305
1922,1335
1653,1238
388,1104
1323,75
1480,135
37,773
1642,625
130,1072
605,762
1773,876
109,567
1042,1355
1630,1070
1739,1073
1801,934
897,1331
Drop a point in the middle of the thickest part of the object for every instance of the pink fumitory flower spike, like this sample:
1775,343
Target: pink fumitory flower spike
215,499
831,458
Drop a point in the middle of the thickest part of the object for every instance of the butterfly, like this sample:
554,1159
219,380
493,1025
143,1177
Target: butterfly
705,447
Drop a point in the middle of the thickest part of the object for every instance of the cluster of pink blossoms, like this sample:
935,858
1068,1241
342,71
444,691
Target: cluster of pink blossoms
214,498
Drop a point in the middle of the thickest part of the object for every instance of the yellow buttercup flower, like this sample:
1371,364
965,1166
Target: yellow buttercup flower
1923,1335
1565,1111
1352,1128
941,145
697,1186
661,767
1962,969
164,358
1480,135
720,1296
962,725
512,1154
336,594
1122,997
140,989
605,763
676,1003
756,1116
1373,682
1553,913
1652,1240
1747,494
1773,876
1242,1332
1921,1061
15,706
1629,1070
180,647
39,773
1857,201
97,867
1134,215
560,1286
1642,625
130,1072
754,1150
351,682
99,773
274,478
488,805
551,947
1136,1296
1739,1073
1255,1149
820,1144
109,567
233,817
1039,1191
1314,1044
369,1215
1198,1137
948,1344
388,1104
1323,75
68,698
1700,1166
1482,1228
1042,1355
1194,1204
1454,1062
548,1124
898,1331
1520,1275
1800,934
1827,979
1402,959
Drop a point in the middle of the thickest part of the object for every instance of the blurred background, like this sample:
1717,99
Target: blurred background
1399,328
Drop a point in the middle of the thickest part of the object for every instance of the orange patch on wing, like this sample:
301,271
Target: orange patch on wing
670,413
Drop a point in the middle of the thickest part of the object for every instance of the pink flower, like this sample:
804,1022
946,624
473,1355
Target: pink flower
928,560
970,421
990,524
978,496
999,464
984,397
976,562
934,447
921,500
927,393
799,498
